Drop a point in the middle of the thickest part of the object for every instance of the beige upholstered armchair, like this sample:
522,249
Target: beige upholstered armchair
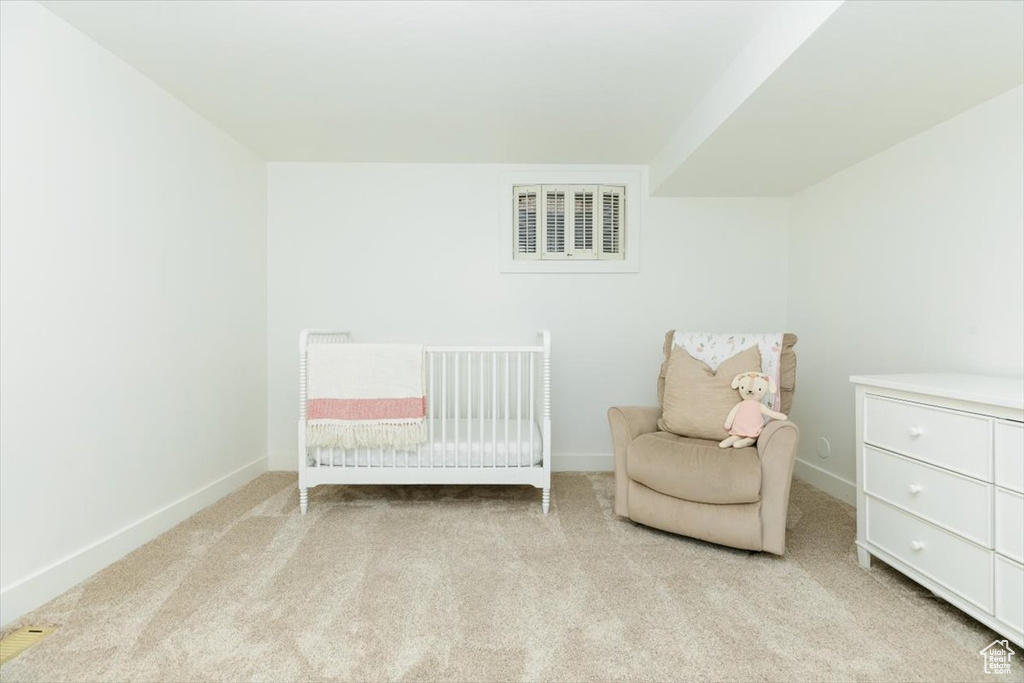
736,496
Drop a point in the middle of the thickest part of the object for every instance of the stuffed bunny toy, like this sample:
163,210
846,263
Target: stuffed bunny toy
746,419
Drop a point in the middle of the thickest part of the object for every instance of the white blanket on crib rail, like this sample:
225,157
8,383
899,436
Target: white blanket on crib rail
365,395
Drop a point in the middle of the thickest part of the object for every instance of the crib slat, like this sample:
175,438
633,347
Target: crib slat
480,412
455,407
519,409
533,382
469,409
494,409
430,407
508,358
444,409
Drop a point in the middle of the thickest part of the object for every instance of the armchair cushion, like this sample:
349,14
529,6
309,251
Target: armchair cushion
694,469
698,399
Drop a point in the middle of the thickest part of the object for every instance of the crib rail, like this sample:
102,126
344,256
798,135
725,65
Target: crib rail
483,402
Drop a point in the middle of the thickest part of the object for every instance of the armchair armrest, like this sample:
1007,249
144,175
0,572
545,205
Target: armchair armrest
627,423
633,421
779,437
776,447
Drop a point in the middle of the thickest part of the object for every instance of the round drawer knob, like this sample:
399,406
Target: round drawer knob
914,489
916,545
915,432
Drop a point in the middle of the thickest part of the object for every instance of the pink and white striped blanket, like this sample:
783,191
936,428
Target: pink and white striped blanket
365,395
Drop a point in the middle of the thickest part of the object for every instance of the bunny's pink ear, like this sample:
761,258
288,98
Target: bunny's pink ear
771,385
736,380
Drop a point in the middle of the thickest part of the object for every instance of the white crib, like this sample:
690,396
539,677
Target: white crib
488,421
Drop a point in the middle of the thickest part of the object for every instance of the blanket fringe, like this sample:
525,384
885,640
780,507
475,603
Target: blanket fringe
378,435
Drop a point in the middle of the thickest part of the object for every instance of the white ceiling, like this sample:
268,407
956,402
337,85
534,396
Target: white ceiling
537,82
873,74
726,97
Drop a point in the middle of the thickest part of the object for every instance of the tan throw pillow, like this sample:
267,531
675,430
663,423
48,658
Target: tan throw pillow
697,400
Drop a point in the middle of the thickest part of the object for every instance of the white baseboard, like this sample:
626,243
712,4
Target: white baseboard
568,462
49,582
583,462
832,484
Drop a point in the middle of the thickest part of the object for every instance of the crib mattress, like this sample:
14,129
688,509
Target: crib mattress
465,449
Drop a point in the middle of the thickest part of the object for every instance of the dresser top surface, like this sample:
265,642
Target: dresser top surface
996,391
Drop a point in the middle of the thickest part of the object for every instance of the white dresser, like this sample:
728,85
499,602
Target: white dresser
940,488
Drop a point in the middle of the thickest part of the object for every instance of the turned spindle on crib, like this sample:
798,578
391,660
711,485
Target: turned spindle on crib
303,489
545,502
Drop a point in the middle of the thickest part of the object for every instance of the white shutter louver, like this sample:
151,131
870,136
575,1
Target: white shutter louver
569,222
612,211
583,221
527,235
554,222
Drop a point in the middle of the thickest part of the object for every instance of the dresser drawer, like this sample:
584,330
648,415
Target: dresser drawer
957,441
928,491
1010,524
957,564
1010,455
1010,593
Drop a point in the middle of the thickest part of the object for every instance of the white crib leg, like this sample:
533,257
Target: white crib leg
545,500
303,500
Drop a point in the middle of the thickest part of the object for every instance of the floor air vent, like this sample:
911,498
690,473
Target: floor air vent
16,642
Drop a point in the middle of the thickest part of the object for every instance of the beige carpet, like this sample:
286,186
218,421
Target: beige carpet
474,584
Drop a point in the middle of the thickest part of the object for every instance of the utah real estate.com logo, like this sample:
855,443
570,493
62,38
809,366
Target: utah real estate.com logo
997,657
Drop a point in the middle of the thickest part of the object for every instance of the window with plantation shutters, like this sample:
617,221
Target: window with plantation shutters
569,222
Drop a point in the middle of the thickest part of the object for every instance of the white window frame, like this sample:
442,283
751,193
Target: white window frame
544,178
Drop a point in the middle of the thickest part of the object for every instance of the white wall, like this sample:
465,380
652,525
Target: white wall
910,261
132,308
353,246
